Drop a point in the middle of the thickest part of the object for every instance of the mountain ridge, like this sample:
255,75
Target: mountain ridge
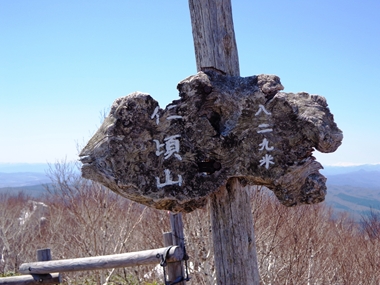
24,167
19,179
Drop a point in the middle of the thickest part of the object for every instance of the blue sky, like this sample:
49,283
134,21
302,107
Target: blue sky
63,63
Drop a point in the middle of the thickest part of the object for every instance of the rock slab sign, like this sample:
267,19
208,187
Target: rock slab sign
221,127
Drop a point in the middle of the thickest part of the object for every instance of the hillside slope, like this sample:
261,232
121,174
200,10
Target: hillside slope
356,192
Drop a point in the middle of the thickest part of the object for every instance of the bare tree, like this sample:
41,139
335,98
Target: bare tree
88,219
21,225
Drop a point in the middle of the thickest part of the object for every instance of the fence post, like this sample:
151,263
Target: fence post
171,267
31,279
45,255
175,237
178,239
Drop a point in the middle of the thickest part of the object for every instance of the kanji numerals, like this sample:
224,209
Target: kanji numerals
265,128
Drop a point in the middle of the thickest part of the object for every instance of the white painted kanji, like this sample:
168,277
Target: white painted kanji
158,147
173,117
168,180
268,130
262,109
265,145
171,147
155,115
266,160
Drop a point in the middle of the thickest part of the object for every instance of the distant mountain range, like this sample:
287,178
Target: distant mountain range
361,178
24,167
20,179
334,170
24,177
34,191
353,189
356,192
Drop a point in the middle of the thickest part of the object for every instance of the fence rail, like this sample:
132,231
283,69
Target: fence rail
54,278
145,257
40,272
43,255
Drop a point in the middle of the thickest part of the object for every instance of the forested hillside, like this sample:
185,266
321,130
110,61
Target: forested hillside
356,192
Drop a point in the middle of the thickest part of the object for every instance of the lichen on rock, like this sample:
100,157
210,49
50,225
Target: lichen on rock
221,127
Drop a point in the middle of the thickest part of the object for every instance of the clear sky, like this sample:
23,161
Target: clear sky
63,63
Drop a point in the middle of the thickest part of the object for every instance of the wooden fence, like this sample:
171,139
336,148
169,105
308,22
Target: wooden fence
171,256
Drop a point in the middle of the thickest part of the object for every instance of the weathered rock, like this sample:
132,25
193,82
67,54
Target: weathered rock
222,127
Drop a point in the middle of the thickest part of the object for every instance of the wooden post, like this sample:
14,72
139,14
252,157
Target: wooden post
171,268
44,254
179,240
233,235
231,213
54,278
175,237
214,36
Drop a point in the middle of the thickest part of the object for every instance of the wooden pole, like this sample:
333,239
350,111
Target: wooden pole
103,262
171,269
179,240
233,235
214,36
53,278
45,255
231,212
175,237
